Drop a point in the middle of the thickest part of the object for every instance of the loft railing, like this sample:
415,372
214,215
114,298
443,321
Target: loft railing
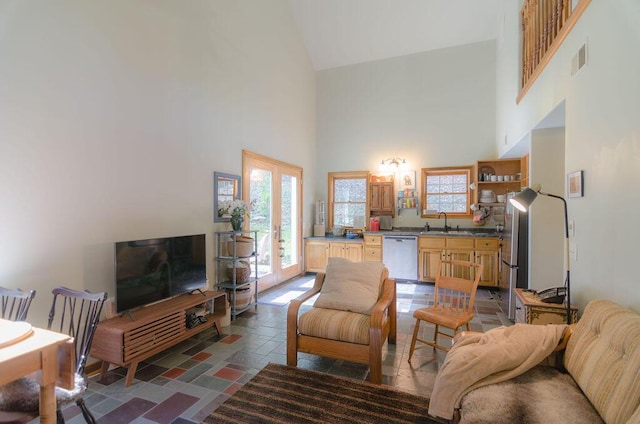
542,21
545,25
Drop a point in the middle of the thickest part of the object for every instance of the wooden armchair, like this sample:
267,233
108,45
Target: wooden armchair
337,331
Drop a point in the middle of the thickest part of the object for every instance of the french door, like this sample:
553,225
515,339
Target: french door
275,190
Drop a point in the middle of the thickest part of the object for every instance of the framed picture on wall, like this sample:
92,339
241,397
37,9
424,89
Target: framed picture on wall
575,184
407,180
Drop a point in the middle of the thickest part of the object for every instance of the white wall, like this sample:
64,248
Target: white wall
602,138
115,115
434,109
546,230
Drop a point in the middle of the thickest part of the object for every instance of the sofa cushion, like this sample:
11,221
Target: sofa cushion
350,286
541,395
335,325
603,356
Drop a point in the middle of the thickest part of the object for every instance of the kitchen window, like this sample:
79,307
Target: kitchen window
447,190
347,199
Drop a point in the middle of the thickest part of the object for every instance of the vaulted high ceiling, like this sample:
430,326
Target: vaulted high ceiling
345,32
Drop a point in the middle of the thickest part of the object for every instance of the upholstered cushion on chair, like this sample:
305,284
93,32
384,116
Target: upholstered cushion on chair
350,286
23,394
335,325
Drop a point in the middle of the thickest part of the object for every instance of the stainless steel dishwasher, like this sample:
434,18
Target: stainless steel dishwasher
400,256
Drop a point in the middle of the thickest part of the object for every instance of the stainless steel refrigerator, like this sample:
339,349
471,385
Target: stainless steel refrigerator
514,256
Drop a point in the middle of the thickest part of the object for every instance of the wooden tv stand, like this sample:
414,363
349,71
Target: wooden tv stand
154,328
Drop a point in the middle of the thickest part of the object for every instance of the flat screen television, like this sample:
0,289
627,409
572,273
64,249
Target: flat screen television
147,271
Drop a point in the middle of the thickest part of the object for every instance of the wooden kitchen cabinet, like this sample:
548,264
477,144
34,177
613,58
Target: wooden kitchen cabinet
487,253
382,198
459,249
318,252
372,248
316,255
349,250
531,310
430,252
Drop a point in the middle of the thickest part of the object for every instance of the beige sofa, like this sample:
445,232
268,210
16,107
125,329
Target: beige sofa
600,381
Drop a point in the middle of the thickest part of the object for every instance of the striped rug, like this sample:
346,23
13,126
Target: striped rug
282,394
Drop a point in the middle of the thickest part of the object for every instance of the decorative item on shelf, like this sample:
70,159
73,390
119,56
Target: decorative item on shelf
236,222
487,196
244,246
242,297
236,209
485,173
243,272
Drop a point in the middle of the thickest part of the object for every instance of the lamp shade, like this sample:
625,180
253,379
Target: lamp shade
524,199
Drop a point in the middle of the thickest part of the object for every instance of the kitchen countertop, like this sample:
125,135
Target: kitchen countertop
408,231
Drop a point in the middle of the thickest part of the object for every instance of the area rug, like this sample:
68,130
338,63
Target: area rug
283,394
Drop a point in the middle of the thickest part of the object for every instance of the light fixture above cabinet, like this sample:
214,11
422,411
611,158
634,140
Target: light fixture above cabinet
393,163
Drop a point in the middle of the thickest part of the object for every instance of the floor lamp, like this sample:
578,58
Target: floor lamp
522,201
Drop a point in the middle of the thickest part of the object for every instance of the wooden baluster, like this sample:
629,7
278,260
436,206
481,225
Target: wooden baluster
538,31
557,12
532,38
549,19
525,43
543,25
523,58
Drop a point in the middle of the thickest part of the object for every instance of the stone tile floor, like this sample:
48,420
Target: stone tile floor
187,382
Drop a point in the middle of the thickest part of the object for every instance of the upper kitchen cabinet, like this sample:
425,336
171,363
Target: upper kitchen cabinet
381,196
499,177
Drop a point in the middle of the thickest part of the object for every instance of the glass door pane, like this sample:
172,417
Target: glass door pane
261,218
289,249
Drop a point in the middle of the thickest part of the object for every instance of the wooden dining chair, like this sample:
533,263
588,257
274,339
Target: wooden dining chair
454,295
15,303
75,313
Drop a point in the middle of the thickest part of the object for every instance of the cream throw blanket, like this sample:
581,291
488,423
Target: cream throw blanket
479,359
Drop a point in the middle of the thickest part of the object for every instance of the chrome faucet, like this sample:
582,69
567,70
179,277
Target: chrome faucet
446,227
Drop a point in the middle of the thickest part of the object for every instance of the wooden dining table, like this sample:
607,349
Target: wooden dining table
48,355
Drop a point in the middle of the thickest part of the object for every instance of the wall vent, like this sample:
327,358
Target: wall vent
579,60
